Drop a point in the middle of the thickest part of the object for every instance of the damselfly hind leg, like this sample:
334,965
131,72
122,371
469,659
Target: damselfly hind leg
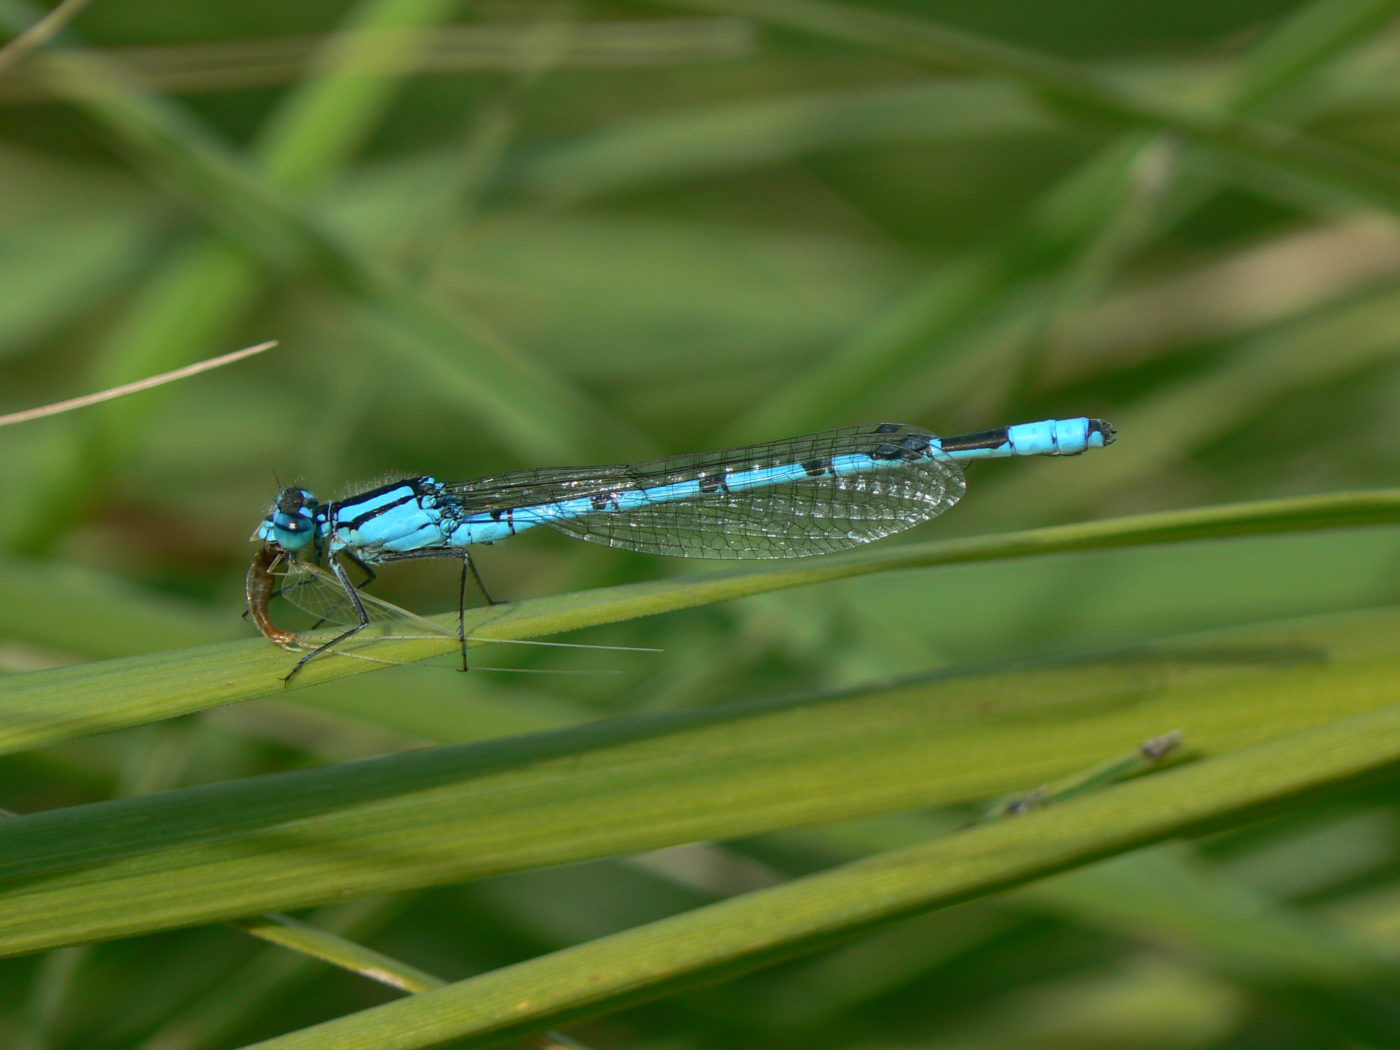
468,566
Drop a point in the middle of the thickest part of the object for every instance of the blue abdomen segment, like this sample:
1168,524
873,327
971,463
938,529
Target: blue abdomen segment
1048,437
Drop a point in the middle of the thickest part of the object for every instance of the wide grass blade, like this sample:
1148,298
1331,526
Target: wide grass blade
430,816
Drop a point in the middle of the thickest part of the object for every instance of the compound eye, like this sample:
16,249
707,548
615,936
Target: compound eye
292,521
288,526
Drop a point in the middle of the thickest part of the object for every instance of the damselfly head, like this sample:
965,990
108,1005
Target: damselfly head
291,523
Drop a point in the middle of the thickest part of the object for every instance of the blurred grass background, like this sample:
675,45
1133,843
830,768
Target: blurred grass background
508,234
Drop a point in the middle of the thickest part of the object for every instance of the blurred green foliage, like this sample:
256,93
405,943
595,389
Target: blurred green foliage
502,234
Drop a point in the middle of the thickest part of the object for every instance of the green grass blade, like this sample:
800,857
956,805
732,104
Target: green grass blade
1171,892
1301,43
332,948
425,817
44,707
762,927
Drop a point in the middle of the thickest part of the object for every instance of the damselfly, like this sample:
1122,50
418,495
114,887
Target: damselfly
803,496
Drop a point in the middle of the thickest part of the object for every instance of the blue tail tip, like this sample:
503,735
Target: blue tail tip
1102,428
